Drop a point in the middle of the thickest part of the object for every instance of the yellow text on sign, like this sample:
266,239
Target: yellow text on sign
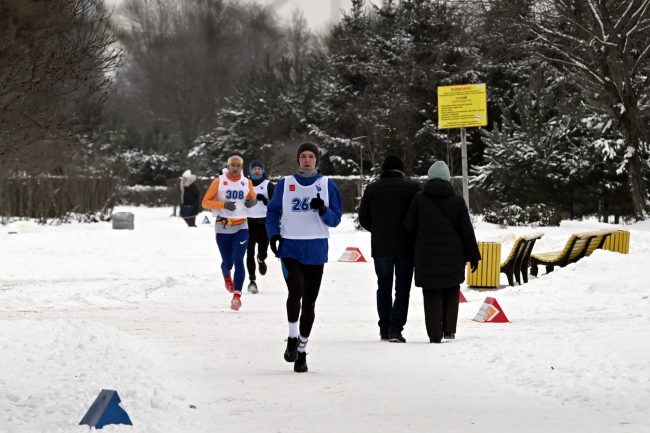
462,106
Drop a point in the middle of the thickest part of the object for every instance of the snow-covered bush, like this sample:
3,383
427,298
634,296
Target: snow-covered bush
513,215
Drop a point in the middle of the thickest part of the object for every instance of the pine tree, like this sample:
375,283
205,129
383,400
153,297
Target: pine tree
604,46
540,154
386,71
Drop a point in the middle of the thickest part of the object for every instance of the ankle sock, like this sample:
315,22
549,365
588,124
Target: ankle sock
302,345
293,329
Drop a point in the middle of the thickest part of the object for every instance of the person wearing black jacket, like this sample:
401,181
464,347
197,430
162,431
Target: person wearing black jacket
190,198
257,223
445,241
383,207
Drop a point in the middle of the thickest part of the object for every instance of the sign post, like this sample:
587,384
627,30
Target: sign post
463,152
462,106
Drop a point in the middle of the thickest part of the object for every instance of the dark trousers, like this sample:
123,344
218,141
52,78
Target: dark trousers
190,221
256,236
441,311
303,282
392,316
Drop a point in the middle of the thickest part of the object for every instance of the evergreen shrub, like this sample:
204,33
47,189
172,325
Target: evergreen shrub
514,215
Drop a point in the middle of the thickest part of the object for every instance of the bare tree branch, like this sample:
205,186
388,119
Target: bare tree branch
625,15
53,56
642,57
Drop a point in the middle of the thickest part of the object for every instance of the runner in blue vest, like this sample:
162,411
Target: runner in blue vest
303,207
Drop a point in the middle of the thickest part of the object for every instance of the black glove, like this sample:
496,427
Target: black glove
473,266
229,205
276,243
263,199
250,202
318,204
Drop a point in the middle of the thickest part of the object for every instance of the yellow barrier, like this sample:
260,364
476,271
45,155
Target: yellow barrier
488,273
619,242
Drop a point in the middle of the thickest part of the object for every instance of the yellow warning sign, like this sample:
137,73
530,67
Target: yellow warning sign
462,106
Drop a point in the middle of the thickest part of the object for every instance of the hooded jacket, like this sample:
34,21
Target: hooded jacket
383,207
444,236
190,195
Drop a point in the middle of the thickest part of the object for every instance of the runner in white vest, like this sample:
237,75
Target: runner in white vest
303,208
302,222
229,197
257,224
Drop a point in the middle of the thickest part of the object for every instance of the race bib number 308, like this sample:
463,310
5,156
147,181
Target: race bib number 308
234,195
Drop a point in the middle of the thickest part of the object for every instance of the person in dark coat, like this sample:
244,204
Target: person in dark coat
445,241
190,198
383,207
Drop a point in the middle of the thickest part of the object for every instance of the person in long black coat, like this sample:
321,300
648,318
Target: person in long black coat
382,211
190,198
445,242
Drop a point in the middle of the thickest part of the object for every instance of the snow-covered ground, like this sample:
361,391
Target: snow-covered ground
144,312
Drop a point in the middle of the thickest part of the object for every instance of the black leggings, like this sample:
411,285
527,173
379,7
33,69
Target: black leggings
256,235
303,282
190,221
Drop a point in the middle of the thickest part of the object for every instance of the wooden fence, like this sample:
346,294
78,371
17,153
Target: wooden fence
51,197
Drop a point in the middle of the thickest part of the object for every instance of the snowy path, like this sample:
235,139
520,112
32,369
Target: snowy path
83,307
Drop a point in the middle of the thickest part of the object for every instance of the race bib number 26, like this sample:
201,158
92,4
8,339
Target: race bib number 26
300,205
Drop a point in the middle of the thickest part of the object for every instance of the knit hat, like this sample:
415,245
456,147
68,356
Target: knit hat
311,148
439,170
392,162
187,174
257,163
253,164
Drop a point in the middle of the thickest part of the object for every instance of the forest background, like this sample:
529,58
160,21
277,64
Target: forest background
96,101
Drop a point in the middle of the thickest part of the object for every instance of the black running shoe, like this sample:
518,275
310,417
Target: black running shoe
396,337
291,354
261,265
450,336
301,363
383,335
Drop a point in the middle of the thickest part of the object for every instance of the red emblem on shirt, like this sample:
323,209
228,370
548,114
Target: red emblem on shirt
225,183
292,187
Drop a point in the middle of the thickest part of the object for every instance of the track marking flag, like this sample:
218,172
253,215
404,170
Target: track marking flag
491,312
352,254
106,410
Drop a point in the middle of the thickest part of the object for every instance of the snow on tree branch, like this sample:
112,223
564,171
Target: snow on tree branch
600,21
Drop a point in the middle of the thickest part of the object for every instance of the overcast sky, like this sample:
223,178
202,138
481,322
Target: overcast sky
318,13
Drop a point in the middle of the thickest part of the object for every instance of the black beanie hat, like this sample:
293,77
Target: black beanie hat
311,148
257,163
392,162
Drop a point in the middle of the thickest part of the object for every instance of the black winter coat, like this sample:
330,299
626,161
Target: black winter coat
192,197
383,207
444,235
